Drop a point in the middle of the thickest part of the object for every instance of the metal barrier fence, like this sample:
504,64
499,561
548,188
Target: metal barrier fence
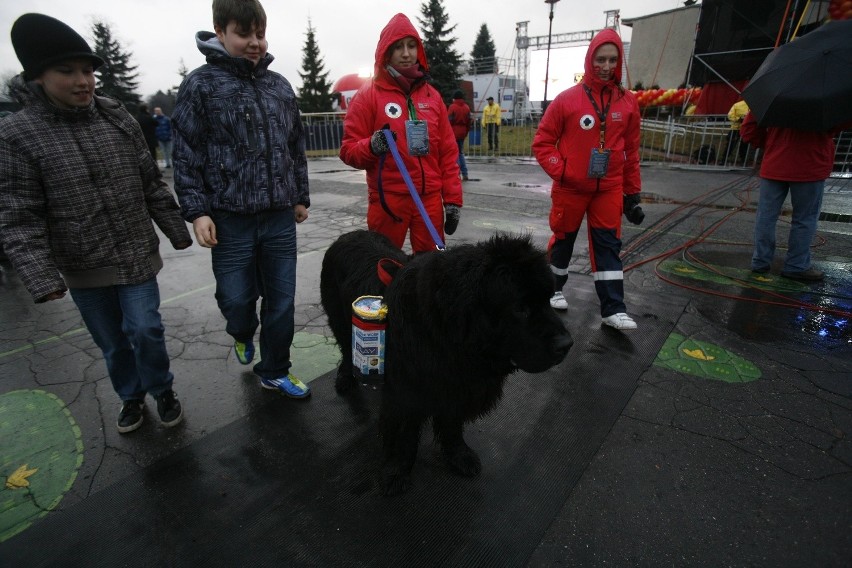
701,141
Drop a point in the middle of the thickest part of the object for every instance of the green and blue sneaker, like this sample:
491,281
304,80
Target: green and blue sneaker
244,351
288,385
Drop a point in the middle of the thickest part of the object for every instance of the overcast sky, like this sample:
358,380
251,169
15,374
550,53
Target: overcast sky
160,33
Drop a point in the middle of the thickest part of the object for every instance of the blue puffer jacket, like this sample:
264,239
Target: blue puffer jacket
164,128
239,145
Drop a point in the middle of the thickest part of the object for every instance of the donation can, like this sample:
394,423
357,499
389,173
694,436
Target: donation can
368,339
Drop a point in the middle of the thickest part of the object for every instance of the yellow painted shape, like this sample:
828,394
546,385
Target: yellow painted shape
698,354
18,480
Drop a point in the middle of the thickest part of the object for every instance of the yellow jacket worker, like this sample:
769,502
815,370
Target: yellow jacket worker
491,116
737,149
737,114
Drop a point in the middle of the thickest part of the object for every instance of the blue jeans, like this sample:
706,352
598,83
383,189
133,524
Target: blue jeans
166,147
125,323
462,163
806,198
256,257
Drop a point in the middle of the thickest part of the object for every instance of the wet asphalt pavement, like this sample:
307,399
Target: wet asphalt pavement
734,448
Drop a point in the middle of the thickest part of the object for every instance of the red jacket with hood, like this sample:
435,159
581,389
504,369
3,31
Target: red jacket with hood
459,114
566,135
384,102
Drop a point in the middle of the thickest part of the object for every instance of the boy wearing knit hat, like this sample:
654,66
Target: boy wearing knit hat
78,193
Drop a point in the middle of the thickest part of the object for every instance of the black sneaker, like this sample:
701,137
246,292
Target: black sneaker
169,409
130,417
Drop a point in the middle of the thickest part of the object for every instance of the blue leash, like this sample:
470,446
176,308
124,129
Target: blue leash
439,244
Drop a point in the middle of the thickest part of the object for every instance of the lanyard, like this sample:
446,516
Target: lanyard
412,114
601,115
439,244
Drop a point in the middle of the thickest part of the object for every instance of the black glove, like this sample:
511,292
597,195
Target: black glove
379,144
632,210
451,218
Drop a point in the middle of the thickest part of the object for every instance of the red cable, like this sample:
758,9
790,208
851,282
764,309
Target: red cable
703,236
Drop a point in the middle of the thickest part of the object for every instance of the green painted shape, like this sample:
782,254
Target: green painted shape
684,355
37,430
728,276
313,355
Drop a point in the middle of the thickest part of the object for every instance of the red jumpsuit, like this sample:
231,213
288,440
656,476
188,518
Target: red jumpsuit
435,175
569,130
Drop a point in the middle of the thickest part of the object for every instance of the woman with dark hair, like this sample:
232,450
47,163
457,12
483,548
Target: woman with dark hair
400,99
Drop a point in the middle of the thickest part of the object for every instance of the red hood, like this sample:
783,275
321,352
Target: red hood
602,37
398,27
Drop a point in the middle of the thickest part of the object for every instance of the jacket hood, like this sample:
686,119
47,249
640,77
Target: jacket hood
604,36
210,46
397,28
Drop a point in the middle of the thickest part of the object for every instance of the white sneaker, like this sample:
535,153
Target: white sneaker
558,301
618,321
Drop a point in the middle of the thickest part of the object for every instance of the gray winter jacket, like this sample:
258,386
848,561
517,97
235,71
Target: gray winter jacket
78,191
238,140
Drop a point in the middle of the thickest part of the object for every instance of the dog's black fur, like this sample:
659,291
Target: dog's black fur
350,270
459,322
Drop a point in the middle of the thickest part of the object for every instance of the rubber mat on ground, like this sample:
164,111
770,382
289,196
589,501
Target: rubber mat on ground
296,483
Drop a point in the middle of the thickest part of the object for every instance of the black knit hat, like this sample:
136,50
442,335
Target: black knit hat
458,95
41,41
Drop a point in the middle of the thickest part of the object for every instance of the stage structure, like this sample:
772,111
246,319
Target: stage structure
734,38
524,43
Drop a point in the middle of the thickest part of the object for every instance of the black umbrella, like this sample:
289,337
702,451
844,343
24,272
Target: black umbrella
807,83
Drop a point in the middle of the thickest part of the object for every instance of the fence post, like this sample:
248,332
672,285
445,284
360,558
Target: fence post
669,136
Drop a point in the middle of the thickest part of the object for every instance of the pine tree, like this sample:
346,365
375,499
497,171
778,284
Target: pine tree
315,93
118,77
443,59
484,53
182,73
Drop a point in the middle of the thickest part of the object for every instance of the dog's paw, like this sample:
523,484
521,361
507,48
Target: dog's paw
395,482
464,461
344,381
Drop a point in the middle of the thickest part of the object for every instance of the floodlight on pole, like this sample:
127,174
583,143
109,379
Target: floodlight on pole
547,65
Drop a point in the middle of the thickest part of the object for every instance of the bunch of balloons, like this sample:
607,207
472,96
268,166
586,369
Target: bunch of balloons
666,97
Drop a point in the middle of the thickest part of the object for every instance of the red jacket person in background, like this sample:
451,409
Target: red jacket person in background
459,114
798,162
401,99
588,143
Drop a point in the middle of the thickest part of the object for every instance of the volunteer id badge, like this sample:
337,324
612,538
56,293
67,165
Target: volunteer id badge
417,134
599,162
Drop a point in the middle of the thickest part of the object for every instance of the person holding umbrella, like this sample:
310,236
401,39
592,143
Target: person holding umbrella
795,162
800,97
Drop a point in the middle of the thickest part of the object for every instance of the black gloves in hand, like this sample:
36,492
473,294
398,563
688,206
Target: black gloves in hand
632,210
451,218
379,144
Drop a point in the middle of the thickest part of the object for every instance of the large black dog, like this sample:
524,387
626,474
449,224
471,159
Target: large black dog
459,322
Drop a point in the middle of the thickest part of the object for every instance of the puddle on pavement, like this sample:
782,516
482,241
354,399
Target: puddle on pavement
826,329
523,185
